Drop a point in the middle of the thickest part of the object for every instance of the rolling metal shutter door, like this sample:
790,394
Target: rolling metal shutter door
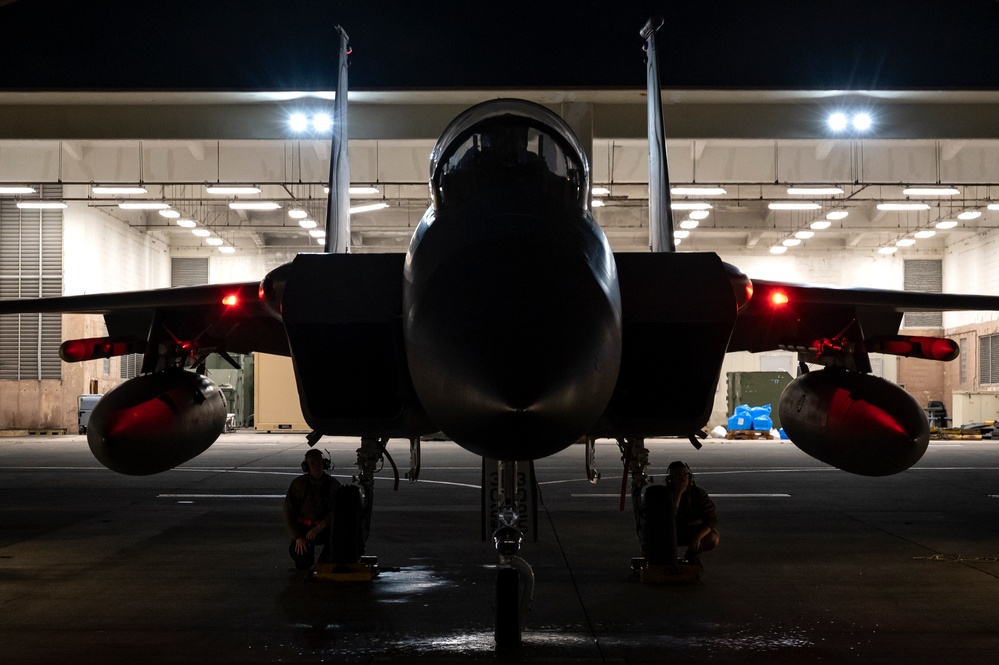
924,275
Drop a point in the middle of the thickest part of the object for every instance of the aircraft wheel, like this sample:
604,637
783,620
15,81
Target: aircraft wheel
507,609
348,543
659,527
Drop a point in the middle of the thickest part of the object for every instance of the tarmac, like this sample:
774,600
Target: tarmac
191,566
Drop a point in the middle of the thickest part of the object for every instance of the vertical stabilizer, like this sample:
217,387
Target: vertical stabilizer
660,212
338,203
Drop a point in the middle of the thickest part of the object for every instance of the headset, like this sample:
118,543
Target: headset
690,474
327,460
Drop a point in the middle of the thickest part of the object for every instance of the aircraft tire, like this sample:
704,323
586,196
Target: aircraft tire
659,527
348,543
507,609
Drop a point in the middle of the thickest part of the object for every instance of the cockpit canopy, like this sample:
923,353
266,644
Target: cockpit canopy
509,145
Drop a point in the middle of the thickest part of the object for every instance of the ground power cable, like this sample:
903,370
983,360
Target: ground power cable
572,576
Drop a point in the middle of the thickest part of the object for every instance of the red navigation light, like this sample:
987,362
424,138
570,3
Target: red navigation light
749,291
230,300
778,298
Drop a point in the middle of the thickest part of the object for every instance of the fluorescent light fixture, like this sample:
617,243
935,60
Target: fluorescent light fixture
253,205
143,205
901,207
16,189
676,241
837,122
970,214
793,206
681,234
946,224
690,205
170,214
791,242
930,191
778,249
186,223
689,224
837,214
227,249
366,190
317,233
887,250
595,203
214,241
298,122
698,214
862,122
994,206
804,235
322,122
118,189
297,213
41,205
905,242
201,233
600,191
308,223
815,191
929,233
369,208
698,191
820,224
234,190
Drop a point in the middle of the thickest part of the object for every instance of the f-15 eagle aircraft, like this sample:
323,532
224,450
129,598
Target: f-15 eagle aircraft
510,325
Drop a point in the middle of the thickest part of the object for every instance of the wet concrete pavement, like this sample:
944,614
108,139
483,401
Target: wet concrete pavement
191,565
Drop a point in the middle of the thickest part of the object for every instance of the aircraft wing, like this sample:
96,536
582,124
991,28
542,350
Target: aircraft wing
194,315
784,315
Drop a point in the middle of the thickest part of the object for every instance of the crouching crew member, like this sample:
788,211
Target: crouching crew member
308,510
696,520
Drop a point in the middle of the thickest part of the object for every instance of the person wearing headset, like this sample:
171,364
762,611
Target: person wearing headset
696,519
308,510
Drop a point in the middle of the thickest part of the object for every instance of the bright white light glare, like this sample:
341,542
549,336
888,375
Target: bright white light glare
201,233
676,241
903,206
360,190
186,223
231,189
16,189
698,191
887,250
253,205
307,223
793,206
170,214
297,213
994,206
837,214
862,122
930,191
369,208
778,249
970,214
924,234
600,191
946,224
699,214
804,235
142,205
214,241
117,189
298,122
317,233
905,242
41,205
228,249
791,242
820,224
689,224
837,122
689,205
681,234
815,191
597,203
321,122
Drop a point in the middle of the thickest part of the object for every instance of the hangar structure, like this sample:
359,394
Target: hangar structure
158,189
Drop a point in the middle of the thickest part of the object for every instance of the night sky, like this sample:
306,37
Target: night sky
292,44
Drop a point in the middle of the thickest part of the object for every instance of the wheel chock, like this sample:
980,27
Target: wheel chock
683,573
364,570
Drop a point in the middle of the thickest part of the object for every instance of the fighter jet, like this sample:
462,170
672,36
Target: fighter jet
510,325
